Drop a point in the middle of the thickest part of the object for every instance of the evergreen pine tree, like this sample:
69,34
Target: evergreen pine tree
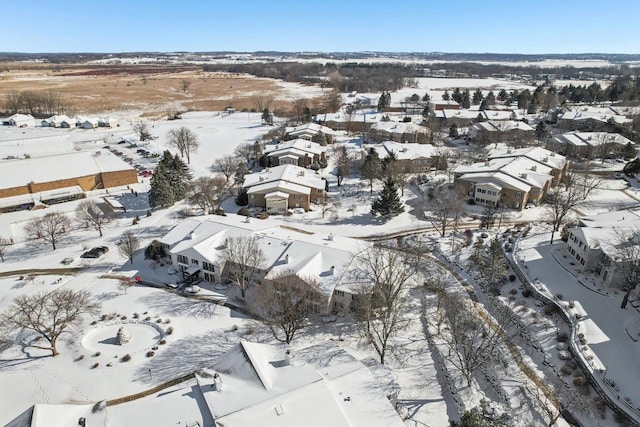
242,199
160,194
446,96
478,97
457,95
503,95
371,168
320,138
453,131
541,131
388,203
466,99
629,151
426,97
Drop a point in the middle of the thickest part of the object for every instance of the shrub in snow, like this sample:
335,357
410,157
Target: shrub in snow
150,353
562,337
95,322
512,278
526,293
79,358
126,358
96,354
159,321
136,315
169,330
148,318
124,318
167,320
162,342
567,369
564,355
95,365
155,347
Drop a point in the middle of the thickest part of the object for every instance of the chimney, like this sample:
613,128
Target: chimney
534,168
487,163
286,259
546,159
248,219
333,269
523,175
217,381
288,358
330,237
191,235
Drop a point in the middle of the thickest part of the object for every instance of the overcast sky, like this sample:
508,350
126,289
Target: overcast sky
499,26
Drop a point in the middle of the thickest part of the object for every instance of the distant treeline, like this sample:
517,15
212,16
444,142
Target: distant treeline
359,77
38,104
622,89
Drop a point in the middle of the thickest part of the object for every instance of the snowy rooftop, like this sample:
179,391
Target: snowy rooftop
17,173
591,138
261,387
408,151
539,154
309,128
498,179
37,146
296,145
290,173
398,127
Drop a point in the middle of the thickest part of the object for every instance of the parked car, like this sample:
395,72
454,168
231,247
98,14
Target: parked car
171,285
67,261
91,254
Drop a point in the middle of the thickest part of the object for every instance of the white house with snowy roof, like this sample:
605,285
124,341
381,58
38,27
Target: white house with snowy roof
513,177
308,131
250,384
590,144
297,152
412,157
197,250
284,187
399,132
597,243
19,120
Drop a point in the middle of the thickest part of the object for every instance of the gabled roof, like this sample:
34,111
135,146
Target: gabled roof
301,146
592,139
309,129
398,127
263,386
497,178
288,173
409,151
539,154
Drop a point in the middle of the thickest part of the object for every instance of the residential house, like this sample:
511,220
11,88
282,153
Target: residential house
501,131
586,118
282,187
88,123
19,120
108,122
412,157
197,250
589,144
297,152
596,243
515,178
436,105
557,163
307,131
399,132
56,121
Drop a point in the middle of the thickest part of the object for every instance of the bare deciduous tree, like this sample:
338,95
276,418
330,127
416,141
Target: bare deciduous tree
205,192
50,228
142,130
246,152
226,165
342,161
626,253
89,213
45,315
185,85
382,277
243,259
299,106
184,140
4,243
263,100
283,304
125,283
560,201
472,343
444,207
127,245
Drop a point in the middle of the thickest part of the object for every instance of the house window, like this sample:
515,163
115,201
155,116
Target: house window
183,259
319,190
208,266
518,195
296,197
253,196
471,185
195,261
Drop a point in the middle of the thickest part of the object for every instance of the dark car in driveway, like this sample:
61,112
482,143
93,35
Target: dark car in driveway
96,252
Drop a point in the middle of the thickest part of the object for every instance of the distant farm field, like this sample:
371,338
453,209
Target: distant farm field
148,90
